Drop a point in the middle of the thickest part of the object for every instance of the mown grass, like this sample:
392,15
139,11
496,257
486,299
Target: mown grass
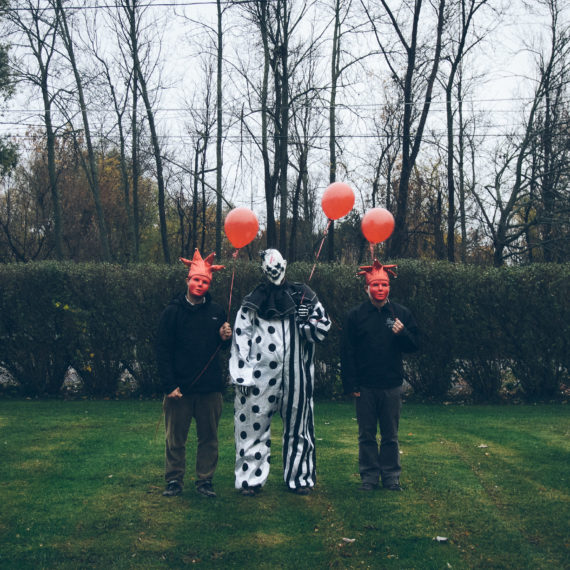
81,484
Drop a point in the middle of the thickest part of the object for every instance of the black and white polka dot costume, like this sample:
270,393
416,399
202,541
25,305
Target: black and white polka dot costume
272,353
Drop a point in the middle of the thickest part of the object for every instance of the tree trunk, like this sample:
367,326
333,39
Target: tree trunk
52,173
413,133
268,178
450,170
135,167
461,168
142,85
284,149
335,72
219,134
93,171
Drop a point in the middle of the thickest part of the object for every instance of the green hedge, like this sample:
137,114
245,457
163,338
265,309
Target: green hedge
492,330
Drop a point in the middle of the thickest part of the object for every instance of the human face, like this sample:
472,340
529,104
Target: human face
197,286
379,290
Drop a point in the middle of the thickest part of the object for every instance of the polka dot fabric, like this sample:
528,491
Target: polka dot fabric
275,359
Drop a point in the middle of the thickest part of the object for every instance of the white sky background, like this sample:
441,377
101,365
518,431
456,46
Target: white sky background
500,95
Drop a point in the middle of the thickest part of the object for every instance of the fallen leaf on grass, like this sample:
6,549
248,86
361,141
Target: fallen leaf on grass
482,446
440,538
349,540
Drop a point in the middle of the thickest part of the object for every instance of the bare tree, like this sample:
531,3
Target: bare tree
388,130
24,218
552,159
306,125
35,31
341,61
219,124
91,168
528,173
276,24
257,98
8,149
216,37
419,59
133,11
204,120
119,103
460,42
119,70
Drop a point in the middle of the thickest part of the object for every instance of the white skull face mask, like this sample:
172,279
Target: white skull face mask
273,266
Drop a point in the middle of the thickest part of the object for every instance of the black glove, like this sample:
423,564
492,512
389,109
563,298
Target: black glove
302,313
244,390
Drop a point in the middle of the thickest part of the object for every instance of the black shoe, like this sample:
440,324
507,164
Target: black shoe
206,489
251,491
302,490
393,487
368,487
172,489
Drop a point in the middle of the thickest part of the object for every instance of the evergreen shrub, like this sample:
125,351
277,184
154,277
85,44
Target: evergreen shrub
479,326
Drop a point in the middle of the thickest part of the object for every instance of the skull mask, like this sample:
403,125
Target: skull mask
273,266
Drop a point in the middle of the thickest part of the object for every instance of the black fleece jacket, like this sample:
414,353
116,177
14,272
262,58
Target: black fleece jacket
371,354
188,336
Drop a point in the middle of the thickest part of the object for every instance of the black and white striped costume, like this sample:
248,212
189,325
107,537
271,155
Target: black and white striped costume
272,353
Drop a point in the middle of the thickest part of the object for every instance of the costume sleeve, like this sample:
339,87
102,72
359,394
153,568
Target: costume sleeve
408,339
240,367
318,324
165,345
348,356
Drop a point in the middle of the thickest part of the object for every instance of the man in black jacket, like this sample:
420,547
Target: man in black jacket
191,331
375,335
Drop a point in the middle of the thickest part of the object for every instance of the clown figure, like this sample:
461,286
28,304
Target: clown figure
375,335
271,365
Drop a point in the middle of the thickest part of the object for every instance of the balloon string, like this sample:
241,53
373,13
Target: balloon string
234,255
371,250
318,254
320,248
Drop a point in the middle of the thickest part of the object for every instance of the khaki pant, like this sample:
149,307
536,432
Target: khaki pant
206,409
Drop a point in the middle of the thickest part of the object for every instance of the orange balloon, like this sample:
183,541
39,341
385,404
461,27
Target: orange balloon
241,226
337,200
377,225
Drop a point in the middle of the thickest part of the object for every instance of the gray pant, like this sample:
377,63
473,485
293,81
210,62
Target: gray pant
178,414
377,406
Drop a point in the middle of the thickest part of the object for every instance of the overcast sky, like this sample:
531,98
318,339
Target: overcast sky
503,59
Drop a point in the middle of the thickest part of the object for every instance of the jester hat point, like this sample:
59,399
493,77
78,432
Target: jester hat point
202,267
376,272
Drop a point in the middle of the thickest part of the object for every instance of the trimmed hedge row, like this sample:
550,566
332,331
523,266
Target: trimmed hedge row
491,330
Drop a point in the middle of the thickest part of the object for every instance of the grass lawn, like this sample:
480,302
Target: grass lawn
81,487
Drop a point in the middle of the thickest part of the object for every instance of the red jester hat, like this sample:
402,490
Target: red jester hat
200,273
377,278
